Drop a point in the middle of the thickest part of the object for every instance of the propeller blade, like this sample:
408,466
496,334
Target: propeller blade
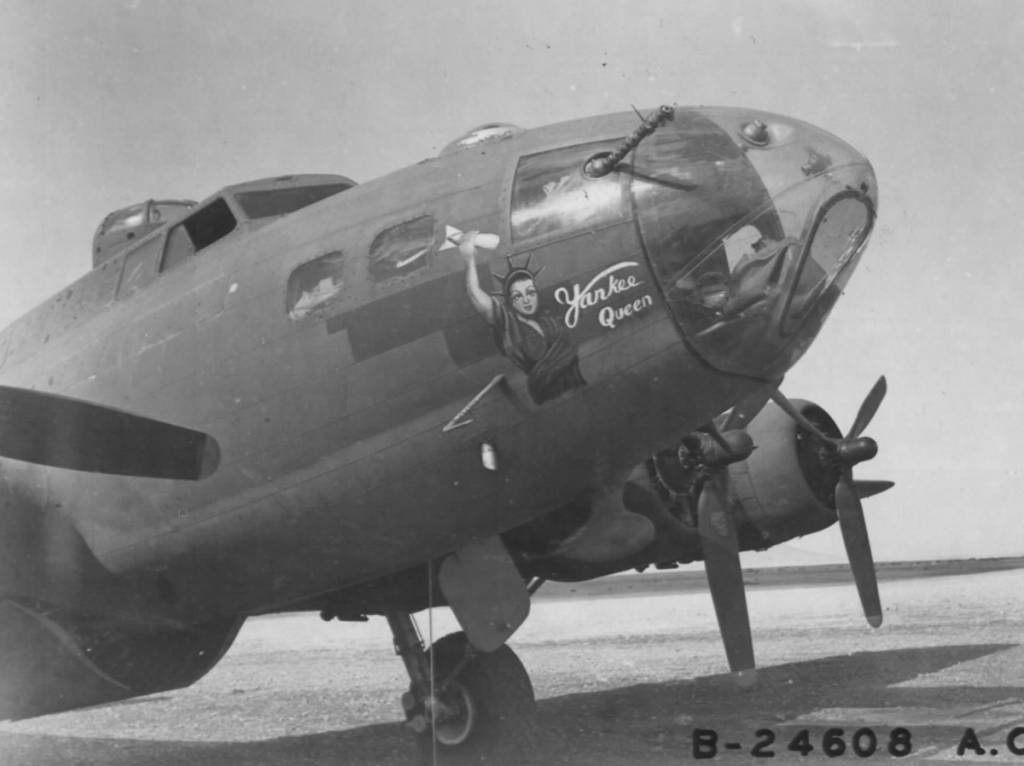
787,406
58,431
747,409
725,578
868,408
871,487
858,548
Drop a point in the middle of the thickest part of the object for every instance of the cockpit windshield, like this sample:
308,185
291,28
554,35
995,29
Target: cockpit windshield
267,203
127,226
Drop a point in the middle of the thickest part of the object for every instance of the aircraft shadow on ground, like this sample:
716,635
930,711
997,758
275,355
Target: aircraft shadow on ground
645,723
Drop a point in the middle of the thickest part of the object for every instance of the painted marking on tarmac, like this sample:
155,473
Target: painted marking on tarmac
990,722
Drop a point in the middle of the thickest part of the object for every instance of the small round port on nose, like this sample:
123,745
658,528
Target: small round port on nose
755,132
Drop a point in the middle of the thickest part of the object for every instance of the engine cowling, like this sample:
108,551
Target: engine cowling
786,488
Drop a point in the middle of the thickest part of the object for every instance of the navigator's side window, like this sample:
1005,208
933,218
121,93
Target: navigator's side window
552,195
201,229
315,286
402,249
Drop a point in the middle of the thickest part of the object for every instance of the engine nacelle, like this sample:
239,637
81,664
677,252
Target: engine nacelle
73,633
53,659
786,488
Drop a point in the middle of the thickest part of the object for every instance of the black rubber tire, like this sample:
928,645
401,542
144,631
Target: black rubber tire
506,711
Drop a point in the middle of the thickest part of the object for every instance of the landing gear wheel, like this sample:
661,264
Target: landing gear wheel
489,710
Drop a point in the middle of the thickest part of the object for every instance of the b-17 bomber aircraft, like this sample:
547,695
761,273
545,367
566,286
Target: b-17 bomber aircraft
547,354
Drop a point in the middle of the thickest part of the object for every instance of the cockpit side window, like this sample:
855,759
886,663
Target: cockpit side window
552,193
201,229
211,223
314,287
402,249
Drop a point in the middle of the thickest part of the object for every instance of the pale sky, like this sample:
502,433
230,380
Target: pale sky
103,104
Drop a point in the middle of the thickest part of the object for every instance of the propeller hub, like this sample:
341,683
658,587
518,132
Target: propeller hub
853,451
740,443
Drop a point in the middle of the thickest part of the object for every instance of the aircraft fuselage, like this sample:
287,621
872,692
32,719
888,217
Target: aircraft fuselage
330,413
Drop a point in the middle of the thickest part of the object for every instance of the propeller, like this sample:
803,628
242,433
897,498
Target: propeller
712,451
748,407
725,578
871,487
844,453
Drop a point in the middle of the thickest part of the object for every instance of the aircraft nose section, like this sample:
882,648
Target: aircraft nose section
792,156
753,223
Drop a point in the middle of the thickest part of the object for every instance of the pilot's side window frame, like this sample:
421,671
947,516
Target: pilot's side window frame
202,228
139,266
179,248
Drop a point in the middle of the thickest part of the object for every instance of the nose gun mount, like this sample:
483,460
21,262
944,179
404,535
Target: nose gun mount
604,163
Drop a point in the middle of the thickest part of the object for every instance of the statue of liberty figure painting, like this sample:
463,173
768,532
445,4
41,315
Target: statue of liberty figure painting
539,343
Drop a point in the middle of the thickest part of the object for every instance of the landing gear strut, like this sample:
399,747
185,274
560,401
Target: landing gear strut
463,703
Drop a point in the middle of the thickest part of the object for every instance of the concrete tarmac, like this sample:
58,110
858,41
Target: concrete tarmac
620,679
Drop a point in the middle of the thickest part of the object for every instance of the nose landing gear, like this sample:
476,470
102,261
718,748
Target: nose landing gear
466,706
